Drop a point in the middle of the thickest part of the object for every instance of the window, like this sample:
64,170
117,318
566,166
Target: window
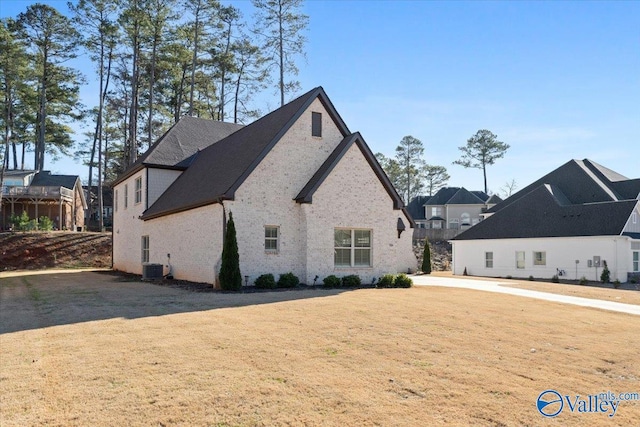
453,223
634,218
138,194
316,124
488,259
352,248
466,219
520,259
116,201
126,196
539,258
636,261
270,238
436,211
145,248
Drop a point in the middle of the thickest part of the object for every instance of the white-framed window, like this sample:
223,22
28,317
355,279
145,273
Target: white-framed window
145,249
634,218
352,247
115,206
436,211
539,258
519,259
126,196
138,193
636,261
454,223
316,124
466,219
271,235
488,259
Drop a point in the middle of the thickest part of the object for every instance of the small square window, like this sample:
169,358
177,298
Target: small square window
488,259
316,124
271,234
539,258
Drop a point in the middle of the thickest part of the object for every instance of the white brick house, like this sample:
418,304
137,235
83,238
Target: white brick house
307,196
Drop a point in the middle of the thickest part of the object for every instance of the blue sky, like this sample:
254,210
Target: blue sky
555,80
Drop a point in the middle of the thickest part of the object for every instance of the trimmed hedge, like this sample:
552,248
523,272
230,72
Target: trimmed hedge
288,280
351,281
266,281
331,281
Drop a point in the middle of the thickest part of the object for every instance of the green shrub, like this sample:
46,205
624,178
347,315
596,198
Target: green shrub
331,281
21,222
583,280
266,281
464,273
555,279
386,281
509,276
616,283
230,277
403,281
45,223
426,258
605,277
633,280
288,280
351,281
531,279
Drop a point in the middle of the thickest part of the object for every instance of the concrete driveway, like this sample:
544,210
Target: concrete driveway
496,286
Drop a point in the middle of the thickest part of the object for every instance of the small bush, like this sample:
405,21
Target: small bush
331,281
633,280
45,223
531,279
21,222
403,281
464,273
583,280
386,281
605,277
266,281
616,283
288,280
351,281
555,279
509,277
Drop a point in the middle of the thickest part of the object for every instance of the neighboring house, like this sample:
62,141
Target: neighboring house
568,222
307,197
457,208
59,197
416,210
91,219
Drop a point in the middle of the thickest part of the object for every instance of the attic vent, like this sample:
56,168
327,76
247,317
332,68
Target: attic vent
151,271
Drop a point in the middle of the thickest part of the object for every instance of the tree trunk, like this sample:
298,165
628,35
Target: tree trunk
133,112
281,48
194,61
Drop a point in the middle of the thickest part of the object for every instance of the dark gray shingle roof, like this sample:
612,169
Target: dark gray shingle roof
180,143
416,207
540,213
45,179
218,170
457,196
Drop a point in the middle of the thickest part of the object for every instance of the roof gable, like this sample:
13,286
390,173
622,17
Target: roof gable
544,212
306,195
465,197
576,179
218,170
180,143
45,179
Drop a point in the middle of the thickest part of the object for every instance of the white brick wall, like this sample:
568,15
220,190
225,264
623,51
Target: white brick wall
561,253
127,228
352,196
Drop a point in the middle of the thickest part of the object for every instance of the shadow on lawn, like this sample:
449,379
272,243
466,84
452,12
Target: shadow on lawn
53,299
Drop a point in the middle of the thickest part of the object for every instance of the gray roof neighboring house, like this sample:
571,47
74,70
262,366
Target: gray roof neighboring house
577,199
416,207
582,181
217,171
457,196
45,179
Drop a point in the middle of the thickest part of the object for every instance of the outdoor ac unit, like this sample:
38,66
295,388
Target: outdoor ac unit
151,271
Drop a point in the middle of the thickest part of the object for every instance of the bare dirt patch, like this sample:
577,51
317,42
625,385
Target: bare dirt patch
99,349
60,249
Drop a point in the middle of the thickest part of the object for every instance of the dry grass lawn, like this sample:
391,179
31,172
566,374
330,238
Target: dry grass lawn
91,349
